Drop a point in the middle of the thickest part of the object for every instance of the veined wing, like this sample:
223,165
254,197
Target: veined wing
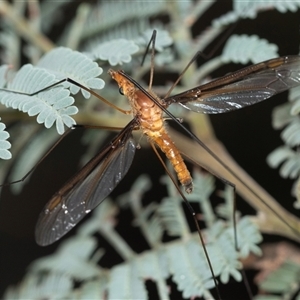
87,189
244,87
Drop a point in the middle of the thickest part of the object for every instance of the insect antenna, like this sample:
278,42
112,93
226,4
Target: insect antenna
199,53
152,56
41,236
191,210
194,137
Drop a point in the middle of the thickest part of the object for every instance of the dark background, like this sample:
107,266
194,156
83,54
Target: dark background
247,134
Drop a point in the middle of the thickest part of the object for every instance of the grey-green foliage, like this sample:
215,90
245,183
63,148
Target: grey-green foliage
51,105
104,51
286,157
244,49
182,259
250,9
121,29
283,281
54,105
115,45
4,144
65,63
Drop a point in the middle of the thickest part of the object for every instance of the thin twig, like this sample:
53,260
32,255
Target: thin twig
24,29
252,192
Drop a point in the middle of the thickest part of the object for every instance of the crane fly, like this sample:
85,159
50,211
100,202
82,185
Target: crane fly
97,179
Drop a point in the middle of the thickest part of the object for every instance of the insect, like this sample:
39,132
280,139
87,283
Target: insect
96,180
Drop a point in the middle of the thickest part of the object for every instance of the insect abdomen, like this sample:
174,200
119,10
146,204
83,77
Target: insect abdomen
166,145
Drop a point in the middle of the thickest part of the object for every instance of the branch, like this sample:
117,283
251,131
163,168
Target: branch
251,191
24,29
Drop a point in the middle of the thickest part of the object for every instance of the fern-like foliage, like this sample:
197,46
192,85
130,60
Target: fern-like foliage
286,157
65,63
182,259
52,106
243,49
283,281
4,144
250,9
104,51
108,16
33,287
114,33
55,105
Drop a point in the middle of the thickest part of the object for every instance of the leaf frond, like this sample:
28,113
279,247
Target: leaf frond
130,285
74,258
250,9
244,49
71,259
109,17
41,287
51,106
192,276
66,63
170,214
4,144
111,51
289,159
283,281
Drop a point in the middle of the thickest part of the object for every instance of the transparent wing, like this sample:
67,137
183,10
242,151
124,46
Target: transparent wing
87,189
243,87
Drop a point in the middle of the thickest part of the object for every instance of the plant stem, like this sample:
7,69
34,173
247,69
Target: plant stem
22,27
272,217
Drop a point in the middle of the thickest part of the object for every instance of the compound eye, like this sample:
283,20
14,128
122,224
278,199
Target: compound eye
121,91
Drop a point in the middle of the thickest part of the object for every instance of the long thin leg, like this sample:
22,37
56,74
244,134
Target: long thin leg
203,55
234,221
54,146
126,112
193,213
39,162
182,73
210,152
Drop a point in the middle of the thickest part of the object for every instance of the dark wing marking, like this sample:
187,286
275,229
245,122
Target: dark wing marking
244,87
87,189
